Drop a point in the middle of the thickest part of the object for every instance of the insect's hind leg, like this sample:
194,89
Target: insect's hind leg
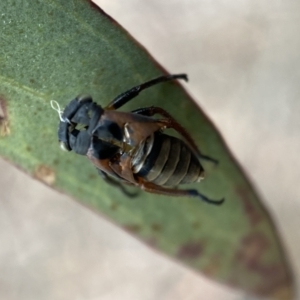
133,92
156,189
117,184
170,122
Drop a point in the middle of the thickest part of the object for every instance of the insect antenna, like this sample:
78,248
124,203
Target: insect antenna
55,106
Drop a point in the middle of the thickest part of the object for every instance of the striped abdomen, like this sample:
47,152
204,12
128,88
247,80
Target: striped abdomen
167,161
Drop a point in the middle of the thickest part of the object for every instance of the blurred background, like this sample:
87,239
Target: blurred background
243,61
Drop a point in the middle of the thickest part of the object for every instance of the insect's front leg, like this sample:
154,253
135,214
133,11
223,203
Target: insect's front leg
117,184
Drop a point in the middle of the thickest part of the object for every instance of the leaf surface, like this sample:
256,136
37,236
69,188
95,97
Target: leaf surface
59,49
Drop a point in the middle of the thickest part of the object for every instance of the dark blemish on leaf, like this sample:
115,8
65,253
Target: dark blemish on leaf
4,122
196,225
252,248
133,228
28,149
96,82
191,250
92,176
254,216
114,206
213,266
55,161
44,174
156,227
31,80
152,242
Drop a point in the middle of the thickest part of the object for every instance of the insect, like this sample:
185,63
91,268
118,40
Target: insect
132,147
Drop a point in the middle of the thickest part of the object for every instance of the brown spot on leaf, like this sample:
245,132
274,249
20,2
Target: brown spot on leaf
45,174
152,242
190,250
196,225
55,161
133,228
213,266
156,227
254,216
114,206
252,248
4,122
92,176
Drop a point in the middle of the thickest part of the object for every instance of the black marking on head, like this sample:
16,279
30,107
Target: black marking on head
103,150
109,130
96,113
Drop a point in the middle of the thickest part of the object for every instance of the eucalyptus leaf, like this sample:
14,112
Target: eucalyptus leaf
59,49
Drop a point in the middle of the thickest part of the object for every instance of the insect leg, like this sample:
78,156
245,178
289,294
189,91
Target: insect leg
156,189
133,92
170,122
117,184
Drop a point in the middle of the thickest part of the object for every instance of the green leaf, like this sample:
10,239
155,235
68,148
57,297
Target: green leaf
59,49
